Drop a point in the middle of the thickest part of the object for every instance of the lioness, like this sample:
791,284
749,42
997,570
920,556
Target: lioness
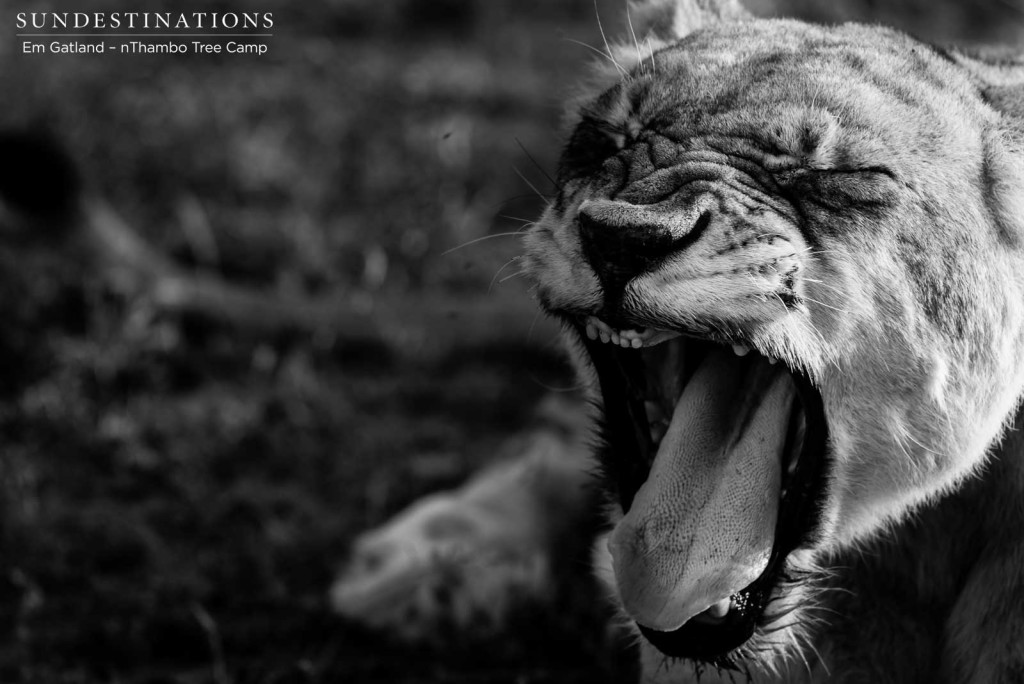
789,263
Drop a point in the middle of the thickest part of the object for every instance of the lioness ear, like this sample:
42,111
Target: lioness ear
1000,78
1004,182
1001,82
670,20
653,25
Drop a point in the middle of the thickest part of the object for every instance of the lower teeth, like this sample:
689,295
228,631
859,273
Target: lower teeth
720,609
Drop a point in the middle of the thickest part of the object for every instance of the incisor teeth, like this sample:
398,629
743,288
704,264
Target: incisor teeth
772,360
627,338
740,350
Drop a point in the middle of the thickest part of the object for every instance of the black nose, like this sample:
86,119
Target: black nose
618,253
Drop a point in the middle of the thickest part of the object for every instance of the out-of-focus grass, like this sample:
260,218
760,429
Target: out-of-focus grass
174,497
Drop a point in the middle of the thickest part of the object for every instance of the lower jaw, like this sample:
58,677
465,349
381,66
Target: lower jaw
713,640
701,641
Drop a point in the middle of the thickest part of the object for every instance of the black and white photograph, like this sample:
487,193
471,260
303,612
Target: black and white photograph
512,342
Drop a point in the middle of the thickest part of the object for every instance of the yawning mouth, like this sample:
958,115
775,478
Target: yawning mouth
718,457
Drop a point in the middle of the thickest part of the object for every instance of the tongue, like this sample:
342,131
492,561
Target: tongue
701,527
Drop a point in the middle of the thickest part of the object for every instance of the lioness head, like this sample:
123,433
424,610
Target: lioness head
788,259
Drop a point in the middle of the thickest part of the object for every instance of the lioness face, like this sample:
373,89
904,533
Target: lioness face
777,254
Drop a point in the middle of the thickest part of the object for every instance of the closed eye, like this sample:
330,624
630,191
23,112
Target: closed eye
869,186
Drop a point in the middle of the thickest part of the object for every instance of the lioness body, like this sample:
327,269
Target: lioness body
938,598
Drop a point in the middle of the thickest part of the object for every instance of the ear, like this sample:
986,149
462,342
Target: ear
670,20
654,24
1009,100
1004,180
999,74
1000,78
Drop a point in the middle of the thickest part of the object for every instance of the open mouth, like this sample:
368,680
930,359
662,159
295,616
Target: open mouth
721,451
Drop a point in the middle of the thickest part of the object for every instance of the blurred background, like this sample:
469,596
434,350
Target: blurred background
254,305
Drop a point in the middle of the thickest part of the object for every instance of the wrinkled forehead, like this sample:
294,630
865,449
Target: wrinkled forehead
788,80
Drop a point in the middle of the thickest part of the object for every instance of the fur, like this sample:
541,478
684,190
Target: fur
865,193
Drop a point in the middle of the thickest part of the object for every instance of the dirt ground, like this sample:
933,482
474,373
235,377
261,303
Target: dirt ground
177,490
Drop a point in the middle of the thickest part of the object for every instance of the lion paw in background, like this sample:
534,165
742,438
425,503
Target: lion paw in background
463,559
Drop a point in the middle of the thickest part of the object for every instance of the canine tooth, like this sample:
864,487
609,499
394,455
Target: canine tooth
720,609
598,324
740,350
772,360
591,331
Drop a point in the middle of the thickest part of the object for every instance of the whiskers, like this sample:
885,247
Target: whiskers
546,199
503,267
636,44
526,225
497,277
601,53
827,306
610,51
481,239
607,46
536,163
